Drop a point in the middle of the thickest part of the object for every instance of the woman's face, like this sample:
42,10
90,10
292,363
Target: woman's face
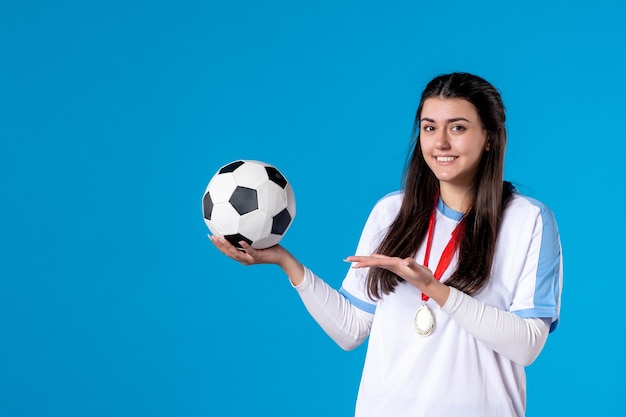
452,139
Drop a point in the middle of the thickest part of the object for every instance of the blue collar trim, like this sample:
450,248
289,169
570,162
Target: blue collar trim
448,212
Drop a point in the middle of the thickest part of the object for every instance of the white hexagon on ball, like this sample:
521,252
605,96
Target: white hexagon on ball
221,187
271,198
249,201
255,225
224,220
251,174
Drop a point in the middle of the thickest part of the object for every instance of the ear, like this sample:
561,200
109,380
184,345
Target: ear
488,145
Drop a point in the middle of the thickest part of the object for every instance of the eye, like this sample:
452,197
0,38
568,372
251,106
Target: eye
428,128
458,128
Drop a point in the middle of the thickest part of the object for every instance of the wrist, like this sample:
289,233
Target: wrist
292,268
437,291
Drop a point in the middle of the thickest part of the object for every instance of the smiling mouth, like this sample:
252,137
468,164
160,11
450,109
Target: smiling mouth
445,158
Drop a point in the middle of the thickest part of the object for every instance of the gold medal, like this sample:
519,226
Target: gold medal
424,321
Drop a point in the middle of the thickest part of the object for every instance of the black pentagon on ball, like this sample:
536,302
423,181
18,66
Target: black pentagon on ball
231,167
281,222
207,206
236,238
244,200
275,176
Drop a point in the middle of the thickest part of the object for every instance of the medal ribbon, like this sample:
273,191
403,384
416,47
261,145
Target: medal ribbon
448,252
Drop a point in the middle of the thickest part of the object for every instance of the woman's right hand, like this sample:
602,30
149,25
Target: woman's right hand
273,255
249,255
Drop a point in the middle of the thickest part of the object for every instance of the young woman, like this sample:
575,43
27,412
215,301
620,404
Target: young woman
456,280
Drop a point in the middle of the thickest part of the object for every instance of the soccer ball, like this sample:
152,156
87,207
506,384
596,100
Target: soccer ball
249,201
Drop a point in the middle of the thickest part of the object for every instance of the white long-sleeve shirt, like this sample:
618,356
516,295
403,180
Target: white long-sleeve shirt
519,339
473,363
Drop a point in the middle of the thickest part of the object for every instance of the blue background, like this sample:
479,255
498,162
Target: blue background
114,116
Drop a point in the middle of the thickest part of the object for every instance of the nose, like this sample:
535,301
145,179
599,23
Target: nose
441,140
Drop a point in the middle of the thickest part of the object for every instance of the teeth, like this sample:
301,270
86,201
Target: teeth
445,158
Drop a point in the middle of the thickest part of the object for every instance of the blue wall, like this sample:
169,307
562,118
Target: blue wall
114,115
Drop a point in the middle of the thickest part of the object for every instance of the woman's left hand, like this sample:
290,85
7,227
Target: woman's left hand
407,269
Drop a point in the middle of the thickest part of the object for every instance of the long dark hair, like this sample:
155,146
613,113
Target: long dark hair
489,198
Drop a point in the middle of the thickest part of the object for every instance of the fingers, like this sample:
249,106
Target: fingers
231,251
248,249
377,260
396,265
371,258
410,262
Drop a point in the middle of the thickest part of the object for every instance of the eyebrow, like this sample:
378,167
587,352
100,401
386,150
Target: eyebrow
454,119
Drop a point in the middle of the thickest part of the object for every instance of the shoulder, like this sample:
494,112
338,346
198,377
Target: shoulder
388,206
524,207
383,214
526,219
391,199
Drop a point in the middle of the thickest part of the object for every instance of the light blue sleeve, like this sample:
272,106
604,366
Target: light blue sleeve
549,270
